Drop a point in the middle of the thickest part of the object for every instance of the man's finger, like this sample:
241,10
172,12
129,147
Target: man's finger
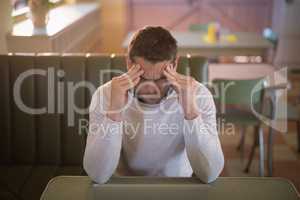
136,74
128,78
133,69
175,74
172,80
132,83
170,73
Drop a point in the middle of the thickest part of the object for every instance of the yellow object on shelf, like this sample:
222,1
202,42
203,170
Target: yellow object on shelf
208,40
211,33
231,38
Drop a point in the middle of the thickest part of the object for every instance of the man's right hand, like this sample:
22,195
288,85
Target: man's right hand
119,91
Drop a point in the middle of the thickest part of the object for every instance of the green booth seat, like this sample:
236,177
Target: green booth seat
35,147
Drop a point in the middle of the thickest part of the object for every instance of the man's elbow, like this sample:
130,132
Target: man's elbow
211,173
96,175
208,177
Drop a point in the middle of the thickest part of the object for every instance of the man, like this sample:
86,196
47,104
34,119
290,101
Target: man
152,120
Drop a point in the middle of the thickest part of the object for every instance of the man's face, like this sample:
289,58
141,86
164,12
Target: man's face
153,85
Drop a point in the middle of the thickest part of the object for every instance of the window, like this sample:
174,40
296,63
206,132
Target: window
18,4
20,7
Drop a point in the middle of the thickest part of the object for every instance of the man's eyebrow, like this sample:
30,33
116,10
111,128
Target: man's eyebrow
144,78
148,79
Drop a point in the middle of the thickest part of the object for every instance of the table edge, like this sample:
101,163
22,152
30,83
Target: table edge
54,179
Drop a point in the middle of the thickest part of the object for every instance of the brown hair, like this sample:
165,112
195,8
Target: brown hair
154,44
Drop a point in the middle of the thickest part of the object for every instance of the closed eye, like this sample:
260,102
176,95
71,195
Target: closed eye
157,80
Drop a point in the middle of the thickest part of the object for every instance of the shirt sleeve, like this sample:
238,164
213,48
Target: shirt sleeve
104,140
201,139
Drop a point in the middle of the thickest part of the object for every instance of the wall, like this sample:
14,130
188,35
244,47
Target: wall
113,25
236,15
5,23
286,20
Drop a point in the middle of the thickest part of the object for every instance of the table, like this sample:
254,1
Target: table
81,187
247,44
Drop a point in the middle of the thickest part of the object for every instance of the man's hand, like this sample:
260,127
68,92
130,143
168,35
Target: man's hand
119,91
186,88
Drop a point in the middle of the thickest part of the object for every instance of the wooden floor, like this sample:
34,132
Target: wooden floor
286,157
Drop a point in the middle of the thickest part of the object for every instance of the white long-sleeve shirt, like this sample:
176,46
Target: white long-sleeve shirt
153,140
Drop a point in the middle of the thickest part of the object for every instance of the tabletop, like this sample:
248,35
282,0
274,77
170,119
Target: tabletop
189,39
81,187
248,71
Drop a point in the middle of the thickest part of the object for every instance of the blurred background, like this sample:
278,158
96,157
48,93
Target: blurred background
107,23
239,39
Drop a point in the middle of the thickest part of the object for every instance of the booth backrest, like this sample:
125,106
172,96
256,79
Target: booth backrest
44,135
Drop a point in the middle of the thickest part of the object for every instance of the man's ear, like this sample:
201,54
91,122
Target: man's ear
129,63
176,62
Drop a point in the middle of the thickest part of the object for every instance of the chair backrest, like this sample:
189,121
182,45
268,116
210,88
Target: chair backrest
196,66
198,27
47,81
242,93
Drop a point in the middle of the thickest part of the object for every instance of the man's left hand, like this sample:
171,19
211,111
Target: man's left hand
186,88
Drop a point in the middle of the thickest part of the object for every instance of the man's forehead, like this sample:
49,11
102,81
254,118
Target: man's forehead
153,78
153,71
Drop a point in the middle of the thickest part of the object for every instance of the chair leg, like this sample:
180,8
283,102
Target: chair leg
241,146
261,152
252,152
298,133
270,151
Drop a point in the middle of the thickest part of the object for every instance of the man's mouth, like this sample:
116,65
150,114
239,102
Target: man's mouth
149,98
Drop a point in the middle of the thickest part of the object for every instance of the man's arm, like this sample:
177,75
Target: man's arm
201,139
200,131
104,141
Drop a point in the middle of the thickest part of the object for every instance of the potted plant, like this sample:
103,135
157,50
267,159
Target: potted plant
39,12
